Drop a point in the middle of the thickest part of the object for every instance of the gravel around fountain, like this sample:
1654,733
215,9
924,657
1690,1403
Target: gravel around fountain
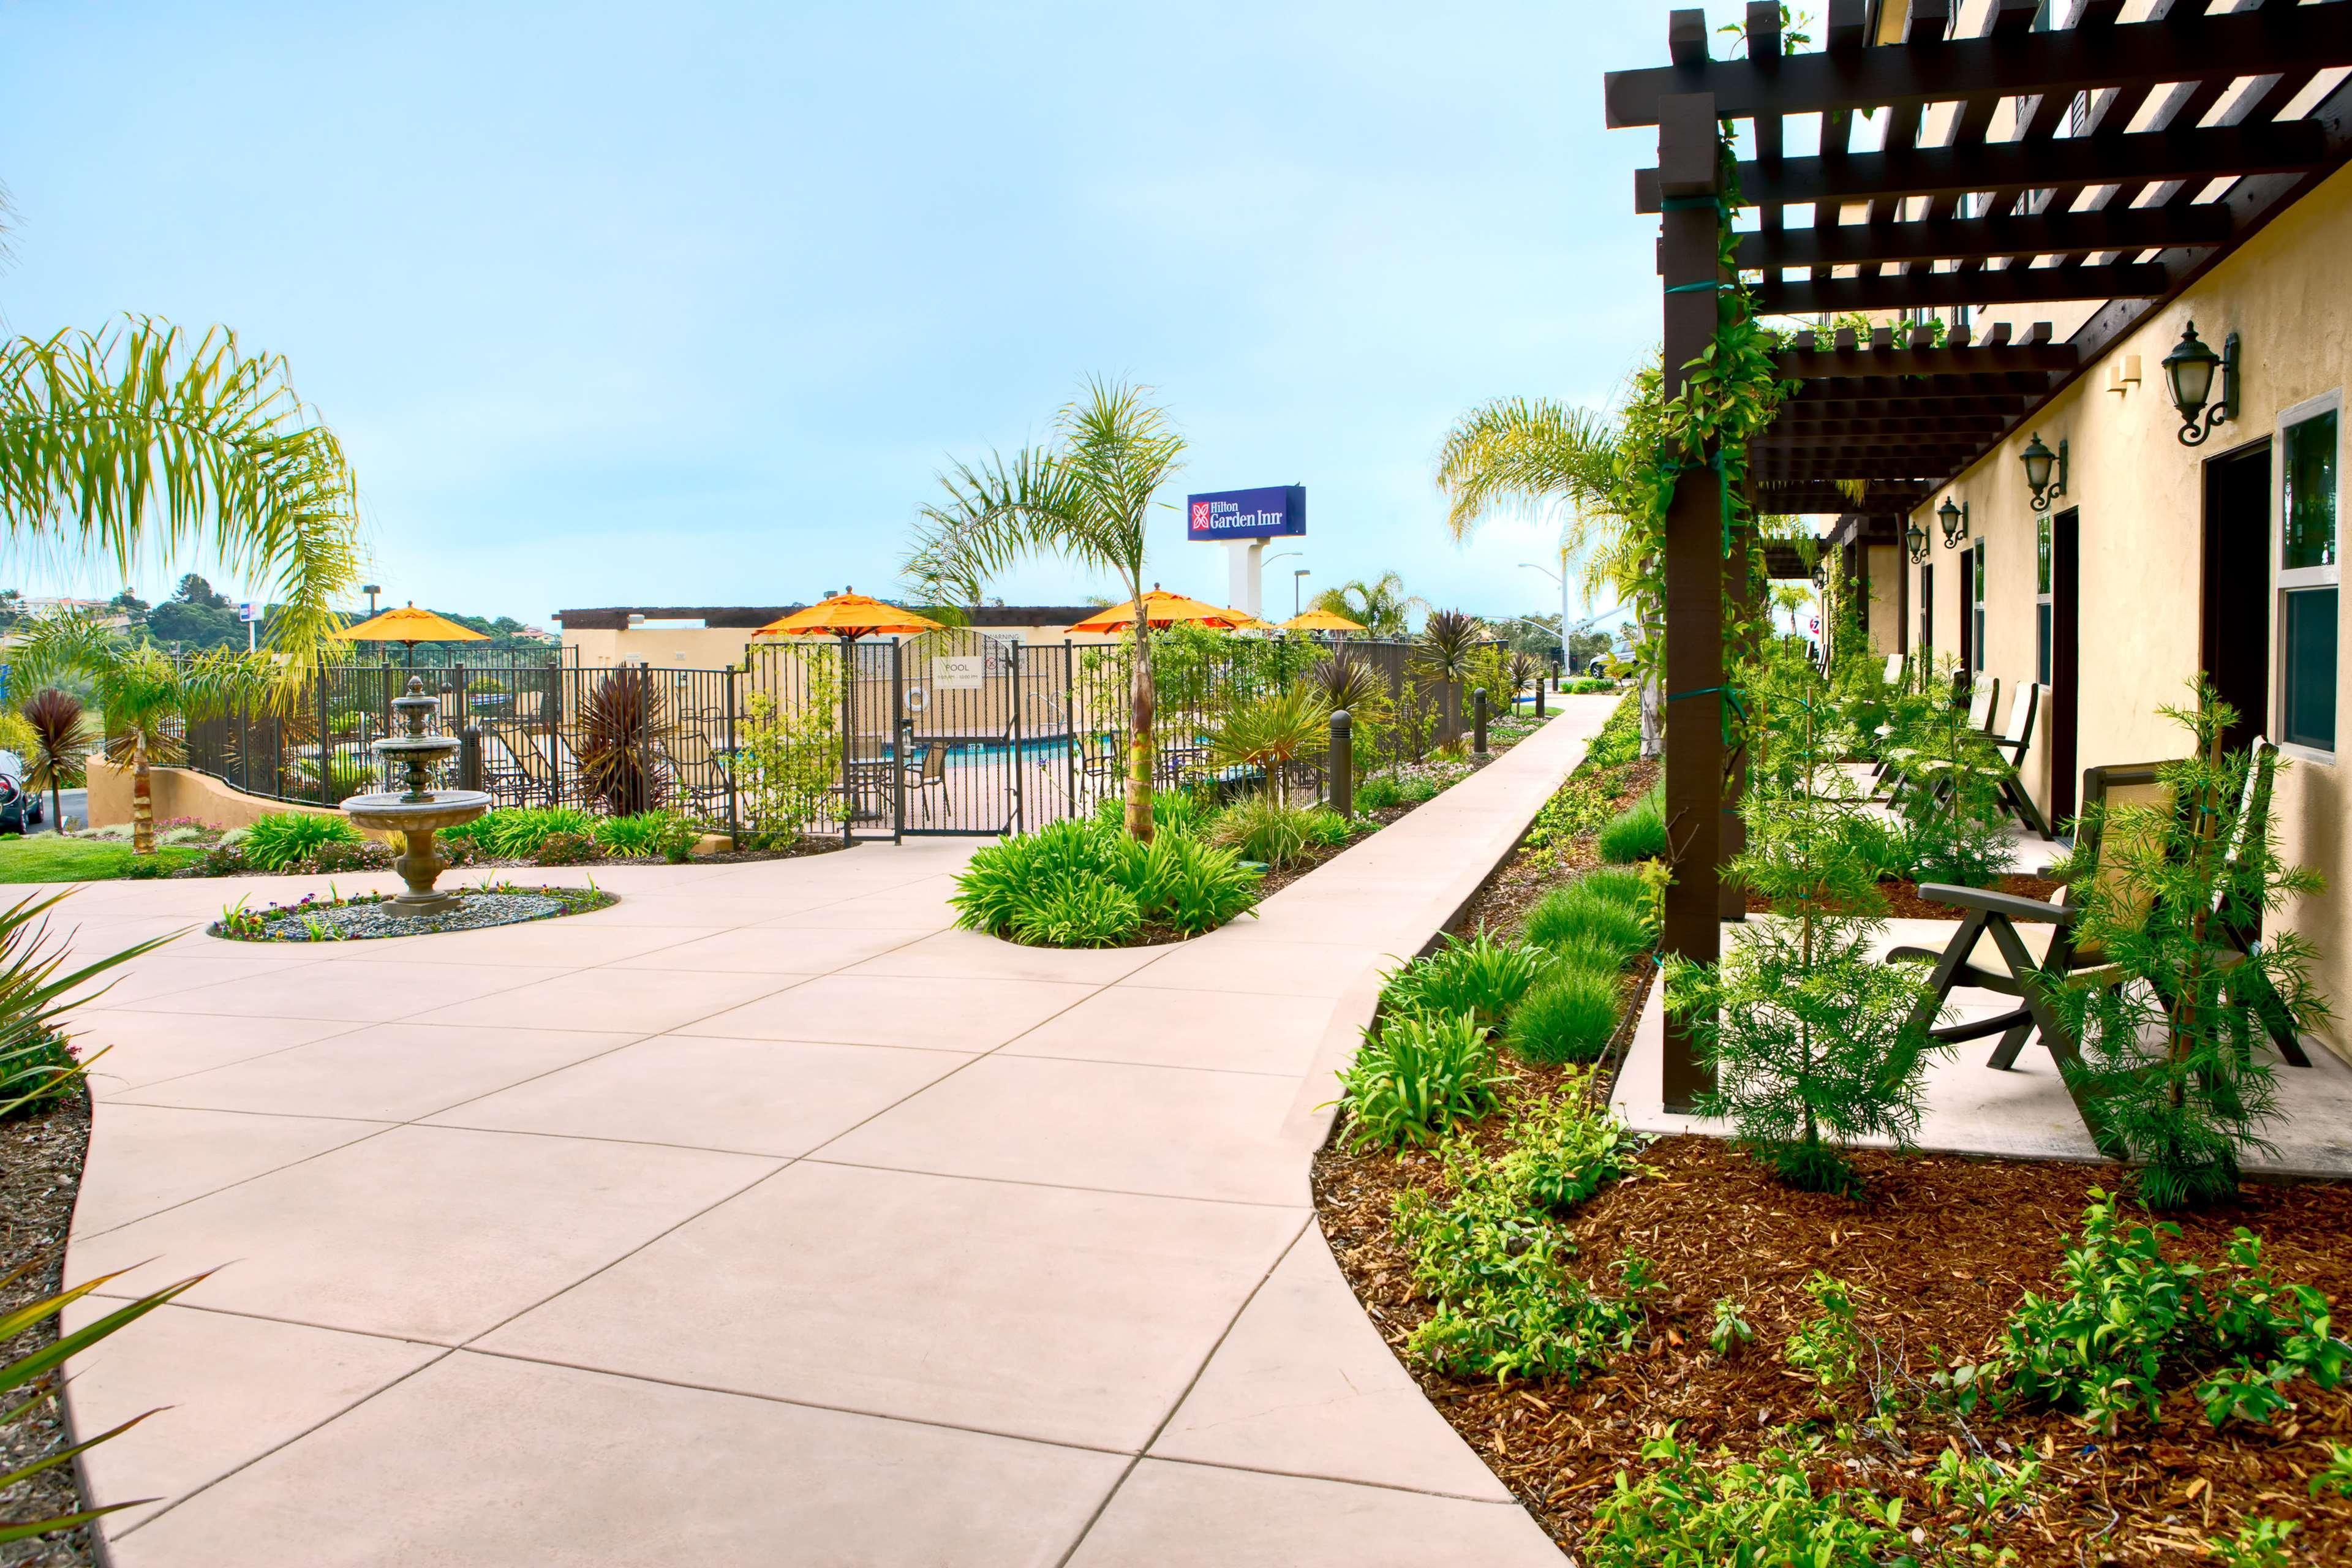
365,916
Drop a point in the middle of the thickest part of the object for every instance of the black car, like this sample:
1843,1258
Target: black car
20,808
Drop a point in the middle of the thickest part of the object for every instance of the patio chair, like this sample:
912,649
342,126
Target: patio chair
2012,744
2242,937
930,773
1901,761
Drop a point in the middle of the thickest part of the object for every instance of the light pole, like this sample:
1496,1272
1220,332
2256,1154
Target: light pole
1559,577
1266,563
1297,585
371,590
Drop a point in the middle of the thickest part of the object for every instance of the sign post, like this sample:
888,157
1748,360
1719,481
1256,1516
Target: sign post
1242,521
251,614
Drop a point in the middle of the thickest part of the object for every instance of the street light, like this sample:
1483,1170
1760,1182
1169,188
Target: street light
1297,585
1262,565
1559,577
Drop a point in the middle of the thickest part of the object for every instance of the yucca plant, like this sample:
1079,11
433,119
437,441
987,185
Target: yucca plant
1341,680
1416,1077
31,1378
61,739
34,995
1271,732
624,728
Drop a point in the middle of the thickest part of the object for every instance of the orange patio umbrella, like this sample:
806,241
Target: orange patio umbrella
409,625
848,616
1321,621
1161,608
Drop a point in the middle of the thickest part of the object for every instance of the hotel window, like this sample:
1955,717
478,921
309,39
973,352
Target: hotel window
1977,604
2042,598
2307,574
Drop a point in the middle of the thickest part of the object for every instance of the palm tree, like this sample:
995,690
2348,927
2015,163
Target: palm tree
1450,641
62,738
1533,456
145,694
133,442
1087,497
1382,606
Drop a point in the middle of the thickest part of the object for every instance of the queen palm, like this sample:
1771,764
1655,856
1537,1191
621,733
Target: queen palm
1382,606
134,443
147,696
1087,497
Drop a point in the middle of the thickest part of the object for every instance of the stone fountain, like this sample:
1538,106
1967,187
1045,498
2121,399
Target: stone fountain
422,812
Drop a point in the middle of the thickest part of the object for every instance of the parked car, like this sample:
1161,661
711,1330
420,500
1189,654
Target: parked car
20,808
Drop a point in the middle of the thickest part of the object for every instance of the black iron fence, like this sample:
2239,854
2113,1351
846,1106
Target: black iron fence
956,732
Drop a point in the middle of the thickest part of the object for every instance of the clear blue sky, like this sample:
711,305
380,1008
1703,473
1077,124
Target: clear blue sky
687,303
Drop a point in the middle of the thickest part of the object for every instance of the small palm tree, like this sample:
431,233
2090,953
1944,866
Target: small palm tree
1271,732
1382,606
147,696
131,440
1088,497
62,738
1450,641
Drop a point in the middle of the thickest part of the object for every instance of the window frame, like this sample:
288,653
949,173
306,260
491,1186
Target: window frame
2285,581
1974,609
2045,603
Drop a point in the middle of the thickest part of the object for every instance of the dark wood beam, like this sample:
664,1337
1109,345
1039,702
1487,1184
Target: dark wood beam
2181,47
1783,430
2296,146
1979,238
1803,363
2009,286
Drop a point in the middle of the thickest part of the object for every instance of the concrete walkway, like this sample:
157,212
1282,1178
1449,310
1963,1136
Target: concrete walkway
765,1219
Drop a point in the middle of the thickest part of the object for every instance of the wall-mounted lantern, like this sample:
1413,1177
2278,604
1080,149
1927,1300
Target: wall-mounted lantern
1955,519
1915,543
2189,371
2040,460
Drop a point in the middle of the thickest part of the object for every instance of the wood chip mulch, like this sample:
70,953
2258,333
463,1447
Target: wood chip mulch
1520,882
40,1170
1941,1248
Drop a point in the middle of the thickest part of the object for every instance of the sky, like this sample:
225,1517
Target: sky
689,304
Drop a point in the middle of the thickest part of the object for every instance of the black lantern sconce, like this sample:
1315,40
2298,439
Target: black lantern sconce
1915,543
1820,575
2040,477
2188,372
1955,519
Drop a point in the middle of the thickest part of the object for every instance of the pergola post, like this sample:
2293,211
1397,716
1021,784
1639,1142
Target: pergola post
1690,180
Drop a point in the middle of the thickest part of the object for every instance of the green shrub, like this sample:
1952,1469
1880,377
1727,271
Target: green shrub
1637,833
1588,686
1209,886
515,832
348,855
1618,885
36,1072
1579,806
2133,1316
1173,811
1175,879
647,835
1481,977
1581,912
1078,911
1570,1017
1263,829
282,838
564,849
1415,1077
1562,1150
1327,829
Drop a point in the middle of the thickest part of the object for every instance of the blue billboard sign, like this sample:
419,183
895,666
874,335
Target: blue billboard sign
1247,514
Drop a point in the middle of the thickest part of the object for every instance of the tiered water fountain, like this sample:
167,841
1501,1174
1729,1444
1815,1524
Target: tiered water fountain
422,811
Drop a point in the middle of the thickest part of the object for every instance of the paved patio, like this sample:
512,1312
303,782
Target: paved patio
764,1218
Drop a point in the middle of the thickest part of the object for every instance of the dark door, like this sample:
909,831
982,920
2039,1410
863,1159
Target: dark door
2065,623
1926,608
2233,650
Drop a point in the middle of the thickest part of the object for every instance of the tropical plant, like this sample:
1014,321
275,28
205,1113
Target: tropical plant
284,839
646,836
1088,497
1077,911
34,996
1415,1077
1568,1016
1341,680
147,696
1264,830
788,762
515,832
1271,732
1482,978
1812,1040
2168,1046
61,739
131,440
622,740
1381,606
1175,879
1449,643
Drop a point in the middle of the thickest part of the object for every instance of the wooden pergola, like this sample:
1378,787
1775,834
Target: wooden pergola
2100,161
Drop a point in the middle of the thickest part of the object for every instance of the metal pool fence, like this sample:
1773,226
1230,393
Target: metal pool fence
956,732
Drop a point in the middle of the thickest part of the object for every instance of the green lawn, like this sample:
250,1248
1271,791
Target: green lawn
45,858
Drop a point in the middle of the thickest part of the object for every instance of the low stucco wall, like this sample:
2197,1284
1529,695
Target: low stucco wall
177,792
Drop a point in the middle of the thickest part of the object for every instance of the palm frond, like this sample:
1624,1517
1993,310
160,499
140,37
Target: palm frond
1519,456
132,442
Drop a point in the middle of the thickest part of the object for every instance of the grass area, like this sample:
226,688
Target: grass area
47,857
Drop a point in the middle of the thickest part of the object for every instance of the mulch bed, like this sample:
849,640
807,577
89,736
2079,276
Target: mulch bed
40,1170
1904,902
1520,882
1941,1247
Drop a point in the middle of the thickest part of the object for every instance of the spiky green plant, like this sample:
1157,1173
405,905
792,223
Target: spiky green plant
1272,732
1570,1016
1482,978
1415,1077
1447,654
61,739
283,839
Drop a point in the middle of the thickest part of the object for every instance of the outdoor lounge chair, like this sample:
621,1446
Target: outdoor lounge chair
1902,760
929,774
2252,828
2012,744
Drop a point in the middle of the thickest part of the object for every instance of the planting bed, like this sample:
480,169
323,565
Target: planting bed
41,1153
366,916
1904,902
1940,1248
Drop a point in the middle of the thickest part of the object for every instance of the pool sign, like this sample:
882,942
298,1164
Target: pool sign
1247,514
958,672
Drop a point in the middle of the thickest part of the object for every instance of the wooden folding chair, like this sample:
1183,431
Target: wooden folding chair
1901,762
2229,929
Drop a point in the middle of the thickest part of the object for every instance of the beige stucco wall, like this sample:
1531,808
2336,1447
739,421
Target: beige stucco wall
2140,496
176,792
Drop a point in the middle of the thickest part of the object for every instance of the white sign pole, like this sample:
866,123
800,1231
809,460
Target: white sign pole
1243,559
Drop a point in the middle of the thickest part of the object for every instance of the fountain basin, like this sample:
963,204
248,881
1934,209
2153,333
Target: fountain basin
416,818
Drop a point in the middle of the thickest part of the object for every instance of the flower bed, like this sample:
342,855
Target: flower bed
365,916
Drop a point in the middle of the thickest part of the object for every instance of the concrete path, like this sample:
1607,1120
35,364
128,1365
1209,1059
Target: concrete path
765,1219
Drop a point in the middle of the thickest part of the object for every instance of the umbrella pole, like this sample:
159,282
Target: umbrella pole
848,735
